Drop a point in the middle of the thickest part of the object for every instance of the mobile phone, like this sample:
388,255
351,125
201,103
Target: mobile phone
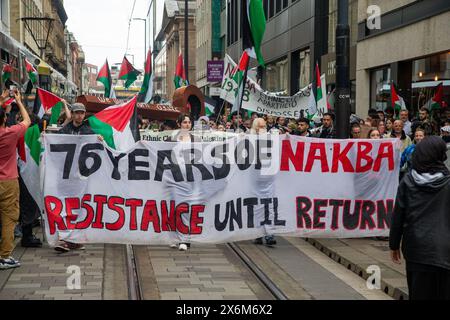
12,89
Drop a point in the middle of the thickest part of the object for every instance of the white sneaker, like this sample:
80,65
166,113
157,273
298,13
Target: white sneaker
183,247
9,263
173,246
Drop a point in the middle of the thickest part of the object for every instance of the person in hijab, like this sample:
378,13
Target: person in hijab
421,223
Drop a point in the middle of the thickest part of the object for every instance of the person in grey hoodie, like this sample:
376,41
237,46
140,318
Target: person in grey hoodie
421,223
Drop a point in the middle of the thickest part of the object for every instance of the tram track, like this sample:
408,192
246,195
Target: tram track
135,284
133,275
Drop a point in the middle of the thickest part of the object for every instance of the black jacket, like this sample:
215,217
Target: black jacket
421,220
84,129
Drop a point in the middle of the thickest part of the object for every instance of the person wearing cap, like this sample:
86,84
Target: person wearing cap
77,126
9,182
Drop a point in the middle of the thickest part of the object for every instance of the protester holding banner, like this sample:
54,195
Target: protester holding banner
260,127
374,134
185,124
76,127
421,223
327,131
9,184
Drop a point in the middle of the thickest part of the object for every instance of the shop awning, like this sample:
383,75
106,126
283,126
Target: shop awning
44,69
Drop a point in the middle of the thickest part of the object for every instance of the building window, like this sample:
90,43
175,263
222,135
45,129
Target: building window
278,6
277,75
285,4
380,88
271,8
305,68
427,74
228,24
266,8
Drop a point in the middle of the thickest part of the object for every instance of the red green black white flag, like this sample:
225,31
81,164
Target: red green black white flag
397,102
6,72
104,76
436,101
238,75
253,28
32,72
48,101
118,125
128,73
146,93
180,79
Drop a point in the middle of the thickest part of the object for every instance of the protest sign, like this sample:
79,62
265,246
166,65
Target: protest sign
257,100
239,189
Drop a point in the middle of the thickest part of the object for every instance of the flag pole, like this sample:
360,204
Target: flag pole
220,111
244,84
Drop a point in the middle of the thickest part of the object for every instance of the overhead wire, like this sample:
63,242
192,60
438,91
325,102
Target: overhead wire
129,26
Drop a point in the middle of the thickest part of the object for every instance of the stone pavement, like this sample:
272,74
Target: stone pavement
205,272
304,273
44,274
358,254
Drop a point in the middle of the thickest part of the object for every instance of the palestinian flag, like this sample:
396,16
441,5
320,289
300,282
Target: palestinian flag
104,76
436,101
6,72
210,106
180,74
45,101
321,99
118,125
146,93
128,73
29,161
238,77
312,111
397,102
32,73
253,29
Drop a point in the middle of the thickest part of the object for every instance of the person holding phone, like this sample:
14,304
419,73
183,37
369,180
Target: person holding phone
9,183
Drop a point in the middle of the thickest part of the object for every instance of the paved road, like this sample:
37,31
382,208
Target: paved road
206,272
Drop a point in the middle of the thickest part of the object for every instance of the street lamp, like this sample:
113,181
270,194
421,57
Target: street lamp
145,45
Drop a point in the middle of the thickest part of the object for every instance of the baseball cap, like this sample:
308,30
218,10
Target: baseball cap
78,107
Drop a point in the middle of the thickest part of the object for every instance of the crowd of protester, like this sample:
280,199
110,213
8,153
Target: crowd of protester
424,179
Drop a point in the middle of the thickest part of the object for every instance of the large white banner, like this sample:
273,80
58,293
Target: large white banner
239,189
198,136
257,100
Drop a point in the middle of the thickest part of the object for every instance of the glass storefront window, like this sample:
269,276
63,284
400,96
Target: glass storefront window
277,75
380,91
427,74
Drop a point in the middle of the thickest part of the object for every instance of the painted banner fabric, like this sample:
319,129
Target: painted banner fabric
257,100
239,189
198,136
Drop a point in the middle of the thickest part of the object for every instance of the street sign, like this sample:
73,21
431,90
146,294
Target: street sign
215,71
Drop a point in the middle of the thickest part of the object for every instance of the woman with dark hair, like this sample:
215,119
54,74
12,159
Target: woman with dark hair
421,222
184,123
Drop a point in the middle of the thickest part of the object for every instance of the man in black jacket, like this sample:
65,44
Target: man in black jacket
78,126
421,222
